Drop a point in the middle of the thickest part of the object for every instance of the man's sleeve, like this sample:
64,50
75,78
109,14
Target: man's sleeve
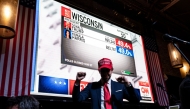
131,94
80,96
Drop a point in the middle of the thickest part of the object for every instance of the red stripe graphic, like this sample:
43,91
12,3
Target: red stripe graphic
157,77
16,56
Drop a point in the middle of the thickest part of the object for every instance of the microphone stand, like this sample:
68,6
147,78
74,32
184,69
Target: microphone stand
175,45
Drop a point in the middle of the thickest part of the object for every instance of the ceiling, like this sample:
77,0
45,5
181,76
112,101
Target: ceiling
171,16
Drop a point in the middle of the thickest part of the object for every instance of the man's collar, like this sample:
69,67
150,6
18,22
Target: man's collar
109,81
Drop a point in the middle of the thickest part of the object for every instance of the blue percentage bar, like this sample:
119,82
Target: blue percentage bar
124,51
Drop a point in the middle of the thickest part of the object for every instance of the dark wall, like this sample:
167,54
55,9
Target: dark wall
172,84
164,56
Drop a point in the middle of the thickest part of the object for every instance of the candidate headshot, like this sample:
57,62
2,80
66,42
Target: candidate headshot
67,34
67,25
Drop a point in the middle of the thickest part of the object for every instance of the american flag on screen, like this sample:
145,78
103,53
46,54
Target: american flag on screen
155,71
16,56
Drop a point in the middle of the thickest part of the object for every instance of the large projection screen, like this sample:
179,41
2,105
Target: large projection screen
68,41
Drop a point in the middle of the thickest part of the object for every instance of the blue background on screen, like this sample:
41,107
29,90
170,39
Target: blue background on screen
53,85
124,51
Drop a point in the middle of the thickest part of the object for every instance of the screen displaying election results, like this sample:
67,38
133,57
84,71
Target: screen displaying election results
91,40
68,41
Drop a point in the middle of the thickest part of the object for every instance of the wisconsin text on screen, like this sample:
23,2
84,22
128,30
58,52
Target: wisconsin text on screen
87,21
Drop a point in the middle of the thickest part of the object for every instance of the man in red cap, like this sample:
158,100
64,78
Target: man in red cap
106,93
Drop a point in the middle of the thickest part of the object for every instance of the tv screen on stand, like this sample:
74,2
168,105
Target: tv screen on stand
68,40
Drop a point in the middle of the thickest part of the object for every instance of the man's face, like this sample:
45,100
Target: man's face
105,74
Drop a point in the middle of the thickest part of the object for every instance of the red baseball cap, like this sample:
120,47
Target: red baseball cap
105,63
